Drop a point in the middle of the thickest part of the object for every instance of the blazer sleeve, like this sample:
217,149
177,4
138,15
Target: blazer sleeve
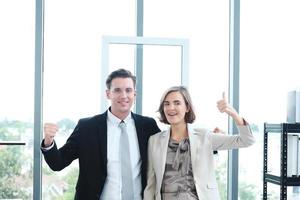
58,159
149,192
154,128
224,142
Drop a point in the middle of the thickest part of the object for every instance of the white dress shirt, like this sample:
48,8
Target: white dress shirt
113,184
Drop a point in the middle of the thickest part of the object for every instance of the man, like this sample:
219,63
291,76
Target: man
98,144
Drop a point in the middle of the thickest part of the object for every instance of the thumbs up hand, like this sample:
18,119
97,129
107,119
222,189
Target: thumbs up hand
224,106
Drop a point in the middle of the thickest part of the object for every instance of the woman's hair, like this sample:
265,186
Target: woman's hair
189,116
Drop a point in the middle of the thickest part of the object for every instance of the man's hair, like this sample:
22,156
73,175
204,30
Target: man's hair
189,116
120,73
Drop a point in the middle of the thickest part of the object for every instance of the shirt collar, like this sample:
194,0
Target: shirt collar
115,120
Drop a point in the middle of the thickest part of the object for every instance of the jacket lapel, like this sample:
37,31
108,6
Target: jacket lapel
193,145
196,146
139,131
102,136
164,141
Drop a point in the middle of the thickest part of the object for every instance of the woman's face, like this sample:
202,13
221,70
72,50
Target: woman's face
175,108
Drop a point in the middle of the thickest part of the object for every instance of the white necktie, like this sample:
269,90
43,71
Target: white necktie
126,173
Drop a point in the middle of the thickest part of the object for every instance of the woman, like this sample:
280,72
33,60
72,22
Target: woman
180,160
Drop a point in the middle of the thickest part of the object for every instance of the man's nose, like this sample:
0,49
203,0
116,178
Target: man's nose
123,94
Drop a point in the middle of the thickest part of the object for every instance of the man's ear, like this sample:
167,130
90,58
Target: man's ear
107,94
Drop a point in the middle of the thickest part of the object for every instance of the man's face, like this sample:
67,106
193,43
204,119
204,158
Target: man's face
121,94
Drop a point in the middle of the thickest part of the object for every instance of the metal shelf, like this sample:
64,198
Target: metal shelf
282,180
289,181
12,143
278,128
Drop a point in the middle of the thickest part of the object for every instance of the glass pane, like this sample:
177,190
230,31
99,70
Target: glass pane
121,56
270,46
17,96
72,71
206,25
161,69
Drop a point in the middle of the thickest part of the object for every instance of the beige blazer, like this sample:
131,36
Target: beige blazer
202,142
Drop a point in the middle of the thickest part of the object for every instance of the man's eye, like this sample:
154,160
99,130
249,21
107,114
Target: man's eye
117,90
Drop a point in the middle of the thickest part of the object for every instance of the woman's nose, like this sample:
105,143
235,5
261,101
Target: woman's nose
171,106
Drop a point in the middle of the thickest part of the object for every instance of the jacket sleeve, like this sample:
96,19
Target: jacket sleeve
223,141
58,159
149,192
155,128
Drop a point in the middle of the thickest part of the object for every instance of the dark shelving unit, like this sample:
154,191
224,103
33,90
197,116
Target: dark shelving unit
283,181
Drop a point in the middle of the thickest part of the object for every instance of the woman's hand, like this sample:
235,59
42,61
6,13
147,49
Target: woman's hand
224,106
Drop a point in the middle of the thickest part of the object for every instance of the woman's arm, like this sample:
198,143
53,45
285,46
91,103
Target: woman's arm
245,137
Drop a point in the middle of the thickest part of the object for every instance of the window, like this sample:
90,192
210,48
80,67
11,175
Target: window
206,25
72,71
16,102
270,46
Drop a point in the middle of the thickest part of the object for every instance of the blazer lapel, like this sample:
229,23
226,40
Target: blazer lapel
139,131
102,136
164,142
193,145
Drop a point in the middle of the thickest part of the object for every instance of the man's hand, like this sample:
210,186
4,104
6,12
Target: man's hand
218,130
50,131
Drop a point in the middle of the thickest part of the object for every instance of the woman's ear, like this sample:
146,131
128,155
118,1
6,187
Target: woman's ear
187,109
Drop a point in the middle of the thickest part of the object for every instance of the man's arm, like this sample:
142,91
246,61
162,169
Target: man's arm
58,159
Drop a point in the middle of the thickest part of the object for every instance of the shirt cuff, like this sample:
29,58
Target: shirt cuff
47,148
245,123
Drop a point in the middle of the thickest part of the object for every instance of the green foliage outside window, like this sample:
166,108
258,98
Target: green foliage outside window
246,191
13,182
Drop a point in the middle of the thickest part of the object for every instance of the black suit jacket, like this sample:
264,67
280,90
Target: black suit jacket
88,143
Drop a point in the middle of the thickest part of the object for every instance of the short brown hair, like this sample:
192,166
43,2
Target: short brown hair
120,73
189,116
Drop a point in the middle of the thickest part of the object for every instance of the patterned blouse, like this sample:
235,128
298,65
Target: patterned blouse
178,182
